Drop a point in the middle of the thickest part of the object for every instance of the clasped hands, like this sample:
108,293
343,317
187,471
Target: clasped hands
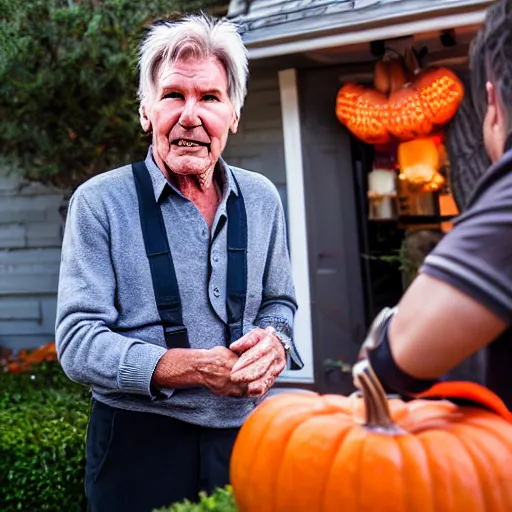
249,366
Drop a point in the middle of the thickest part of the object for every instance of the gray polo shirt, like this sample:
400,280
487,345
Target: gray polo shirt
108,330
476,258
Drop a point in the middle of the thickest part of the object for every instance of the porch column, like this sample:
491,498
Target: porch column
297,224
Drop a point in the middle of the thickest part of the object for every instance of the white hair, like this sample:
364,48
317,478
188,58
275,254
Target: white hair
197,36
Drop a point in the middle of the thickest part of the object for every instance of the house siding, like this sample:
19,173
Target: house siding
258,145
30,240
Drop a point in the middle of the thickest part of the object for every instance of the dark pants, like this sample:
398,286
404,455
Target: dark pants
137,462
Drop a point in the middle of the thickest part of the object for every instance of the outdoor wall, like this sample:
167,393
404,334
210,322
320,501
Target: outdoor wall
30,240
258,145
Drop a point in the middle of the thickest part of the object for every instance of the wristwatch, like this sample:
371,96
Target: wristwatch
293,359
284,340
374,336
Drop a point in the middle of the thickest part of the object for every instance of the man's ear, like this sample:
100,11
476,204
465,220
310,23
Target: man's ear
234,123
144,119
492,107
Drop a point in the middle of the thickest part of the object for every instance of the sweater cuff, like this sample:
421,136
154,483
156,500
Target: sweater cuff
137,368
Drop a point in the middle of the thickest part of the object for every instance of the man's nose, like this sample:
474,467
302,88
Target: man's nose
189,117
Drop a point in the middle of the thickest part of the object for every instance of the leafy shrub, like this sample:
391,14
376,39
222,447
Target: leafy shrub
68,81
43,425
43,421
220,501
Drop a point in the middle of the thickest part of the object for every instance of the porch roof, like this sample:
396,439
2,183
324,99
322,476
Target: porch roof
277,27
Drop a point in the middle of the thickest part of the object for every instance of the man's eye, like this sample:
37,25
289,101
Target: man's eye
175,95
210,97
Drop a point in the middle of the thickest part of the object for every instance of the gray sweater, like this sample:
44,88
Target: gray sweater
108,331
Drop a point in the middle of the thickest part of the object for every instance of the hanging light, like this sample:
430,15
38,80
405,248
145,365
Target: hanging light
419,163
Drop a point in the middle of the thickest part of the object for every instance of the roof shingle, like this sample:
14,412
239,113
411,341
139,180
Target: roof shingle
266,20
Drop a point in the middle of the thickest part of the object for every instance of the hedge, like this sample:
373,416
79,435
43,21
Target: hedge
43,419
43,423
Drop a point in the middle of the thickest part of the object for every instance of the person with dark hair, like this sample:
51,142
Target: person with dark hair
461,301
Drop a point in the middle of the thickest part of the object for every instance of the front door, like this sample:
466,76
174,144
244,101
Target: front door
337,295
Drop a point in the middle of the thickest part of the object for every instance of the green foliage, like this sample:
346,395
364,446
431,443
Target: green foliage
43,420
43,425
220,501
68,82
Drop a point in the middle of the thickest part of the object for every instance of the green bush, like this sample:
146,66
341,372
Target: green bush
43,424
220,501
43,420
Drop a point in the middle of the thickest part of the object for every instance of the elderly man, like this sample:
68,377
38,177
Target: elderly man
462,299
176,300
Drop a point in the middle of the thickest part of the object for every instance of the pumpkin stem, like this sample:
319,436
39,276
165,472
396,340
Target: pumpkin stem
376,406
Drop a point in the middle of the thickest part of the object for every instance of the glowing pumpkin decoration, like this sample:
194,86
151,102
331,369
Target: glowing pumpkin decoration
429,101
409,115
311,453
418,160
364,111
442,91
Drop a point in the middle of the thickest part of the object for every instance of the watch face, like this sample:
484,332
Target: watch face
286,344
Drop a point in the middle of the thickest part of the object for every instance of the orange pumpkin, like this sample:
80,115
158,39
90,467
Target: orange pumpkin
381,78
312,453
389,74
409,115
442,91
364,111
26,360
414,110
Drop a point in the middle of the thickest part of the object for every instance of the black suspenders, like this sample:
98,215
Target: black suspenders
163,275
236,284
